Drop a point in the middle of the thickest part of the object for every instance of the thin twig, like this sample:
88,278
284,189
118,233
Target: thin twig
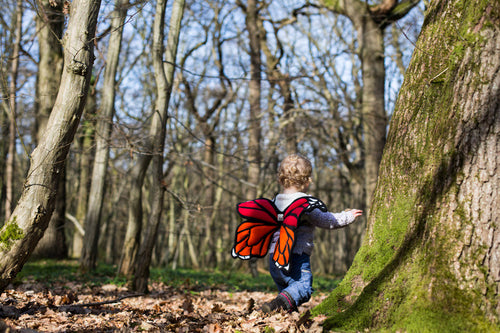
116,300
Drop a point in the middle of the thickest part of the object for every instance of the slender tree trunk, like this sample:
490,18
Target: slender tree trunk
164,76
373,106
370,22
207,245
34,209
254,98
4,129
430,260
85,167
104,121
219,230
11,152
134,224
284,82
50,24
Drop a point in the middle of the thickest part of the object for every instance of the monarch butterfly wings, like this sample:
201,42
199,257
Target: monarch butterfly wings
253,236
261,220
291,218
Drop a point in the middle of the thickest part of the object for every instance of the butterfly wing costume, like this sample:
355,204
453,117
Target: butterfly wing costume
262,219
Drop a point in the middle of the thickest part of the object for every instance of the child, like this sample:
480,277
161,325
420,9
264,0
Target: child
295,285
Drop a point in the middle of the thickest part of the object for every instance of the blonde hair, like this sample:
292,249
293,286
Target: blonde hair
295,170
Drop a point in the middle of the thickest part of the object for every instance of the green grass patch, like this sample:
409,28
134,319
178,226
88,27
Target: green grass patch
57,271
49,271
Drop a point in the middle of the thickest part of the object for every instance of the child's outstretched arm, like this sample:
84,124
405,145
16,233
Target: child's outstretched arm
328,220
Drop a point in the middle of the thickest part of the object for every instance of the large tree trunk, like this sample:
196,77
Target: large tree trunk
50,24
431,259
103,128
164,76
32,214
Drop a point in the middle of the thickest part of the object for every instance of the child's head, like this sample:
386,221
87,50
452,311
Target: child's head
295,170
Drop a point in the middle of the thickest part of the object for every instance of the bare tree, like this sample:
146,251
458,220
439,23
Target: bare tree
164,75
31,216
103,133
138,265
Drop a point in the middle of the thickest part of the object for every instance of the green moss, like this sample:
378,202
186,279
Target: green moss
416,301
390,227
418,293
434,303
10,232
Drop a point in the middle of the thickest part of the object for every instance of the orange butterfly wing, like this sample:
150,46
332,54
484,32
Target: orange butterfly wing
286,240
254,235
290,223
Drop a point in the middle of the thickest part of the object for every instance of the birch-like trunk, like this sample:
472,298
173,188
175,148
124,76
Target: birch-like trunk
31,216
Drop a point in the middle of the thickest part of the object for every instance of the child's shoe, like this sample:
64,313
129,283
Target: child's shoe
282,302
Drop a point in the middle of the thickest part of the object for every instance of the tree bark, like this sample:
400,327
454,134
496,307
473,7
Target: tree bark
430,260
103,128
32,214
50,24
11,151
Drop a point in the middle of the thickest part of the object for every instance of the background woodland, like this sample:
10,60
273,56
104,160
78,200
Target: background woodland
251,82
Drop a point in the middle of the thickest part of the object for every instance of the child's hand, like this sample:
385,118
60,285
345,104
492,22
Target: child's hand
356,212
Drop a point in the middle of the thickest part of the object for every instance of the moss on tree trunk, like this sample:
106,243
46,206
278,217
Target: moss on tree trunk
430,260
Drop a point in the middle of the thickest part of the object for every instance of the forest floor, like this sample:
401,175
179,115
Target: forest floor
63,305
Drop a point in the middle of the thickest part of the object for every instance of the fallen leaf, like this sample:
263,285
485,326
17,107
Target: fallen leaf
217,308
250,305
187,305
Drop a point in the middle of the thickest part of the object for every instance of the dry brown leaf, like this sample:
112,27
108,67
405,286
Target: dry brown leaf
187,305
216,308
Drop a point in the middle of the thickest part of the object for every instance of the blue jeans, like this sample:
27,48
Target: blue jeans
298,281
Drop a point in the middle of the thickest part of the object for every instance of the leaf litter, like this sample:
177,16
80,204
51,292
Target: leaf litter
73,307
